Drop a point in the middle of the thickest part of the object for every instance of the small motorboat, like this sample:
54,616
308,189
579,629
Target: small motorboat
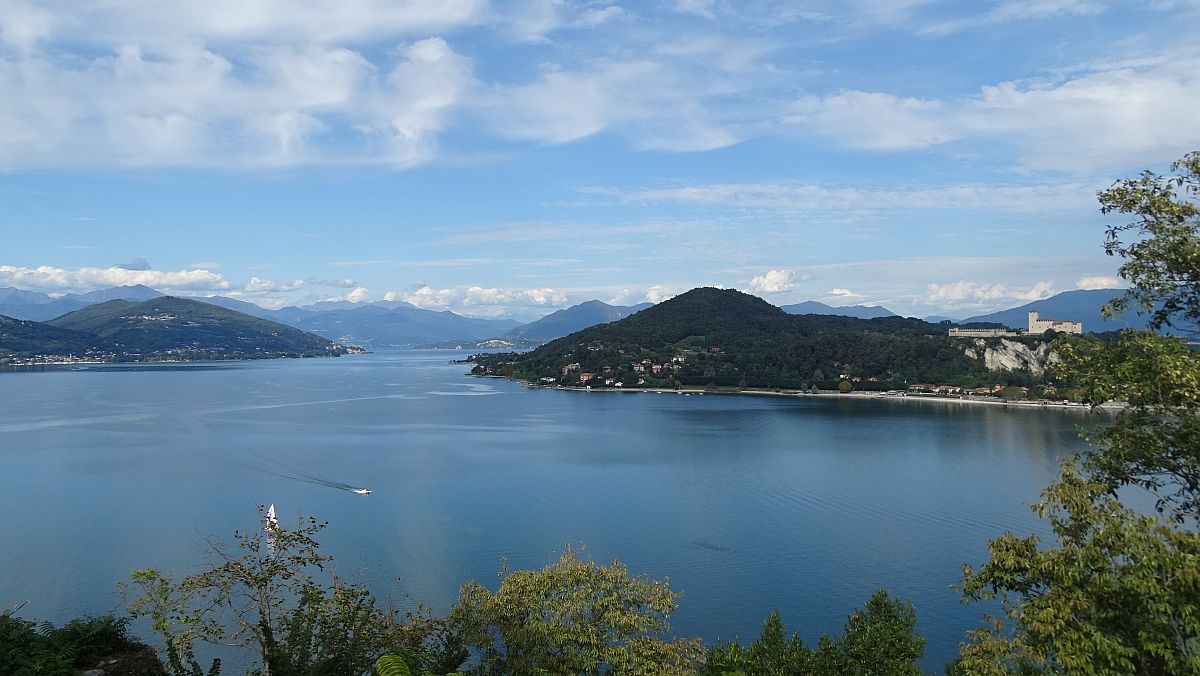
361,491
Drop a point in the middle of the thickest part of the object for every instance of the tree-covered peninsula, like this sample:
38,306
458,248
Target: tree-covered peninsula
726,338
159,329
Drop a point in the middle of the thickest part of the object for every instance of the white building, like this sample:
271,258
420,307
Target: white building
981,333
1043,324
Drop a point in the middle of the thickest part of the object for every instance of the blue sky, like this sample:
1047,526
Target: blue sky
511,158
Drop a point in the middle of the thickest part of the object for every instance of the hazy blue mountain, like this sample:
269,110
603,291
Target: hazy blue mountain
812,307
242,306
572,319
135,292
40,312
373,324
14,296
40,307
1080,306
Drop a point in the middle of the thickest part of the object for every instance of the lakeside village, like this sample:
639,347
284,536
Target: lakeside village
607,376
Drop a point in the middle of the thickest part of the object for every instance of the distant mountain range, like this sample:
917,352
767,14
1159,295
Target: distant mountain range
40,307
397,323
572,319
374,325
812,307
161,328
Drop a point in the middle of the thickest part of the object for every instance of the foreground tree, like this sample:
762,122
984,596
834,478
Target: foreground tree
573,617
264,596
1119,590
881,638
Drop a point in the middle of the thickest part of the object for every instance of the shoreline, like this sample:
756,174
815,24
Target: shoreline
689,391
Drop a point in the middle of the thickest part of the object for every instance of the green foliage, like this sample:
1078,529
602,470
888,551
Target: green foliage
264,597
880,638
575,617
1012,392
1162,258
391,665
845,386
29,648
1117,591
1155,442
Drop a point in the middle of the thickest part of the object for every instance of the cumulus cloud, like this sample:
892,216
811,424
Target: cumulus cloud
256,285
477,296
773,281
974,294
49,278
188,103
846,294
1098,282
358,295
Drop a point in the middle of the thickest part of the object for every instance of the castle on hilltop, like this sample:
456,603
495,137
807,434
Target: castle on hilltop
1043,324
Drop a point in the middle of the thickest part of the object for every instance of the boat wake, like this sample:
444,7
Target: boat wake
314,480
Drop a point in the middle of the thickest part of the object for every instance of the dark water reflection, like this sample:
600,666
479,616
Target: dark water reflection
748,504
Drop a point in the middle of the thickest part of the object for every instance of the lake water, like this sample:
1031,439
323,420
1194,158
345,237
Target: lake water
748,504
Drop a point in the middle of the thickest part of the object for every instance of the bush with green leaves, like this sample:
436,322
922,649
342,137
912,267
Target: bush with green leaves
881,638
573,617
265,596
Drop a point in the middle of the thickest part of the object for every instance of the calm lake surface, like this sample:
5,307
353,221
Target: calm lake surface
748,504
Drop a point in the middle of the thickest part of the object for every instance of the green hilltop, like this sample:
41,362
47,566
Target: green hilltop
164,328
726,338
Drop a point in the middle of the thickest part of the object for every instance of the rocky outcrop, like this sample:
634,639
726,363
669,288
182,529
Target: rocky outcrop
1011,355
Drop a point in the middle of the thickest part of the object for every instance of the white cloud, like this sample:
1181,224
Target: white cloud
773,281
873,120
1098,282
1106,115
976,294
224,21
358,294
478,296
187,103
49,278
676,95
846,294
598,16
658,293
256,285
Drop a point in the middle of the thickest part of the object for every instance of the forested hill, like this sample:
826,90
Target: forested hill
156,329
728,338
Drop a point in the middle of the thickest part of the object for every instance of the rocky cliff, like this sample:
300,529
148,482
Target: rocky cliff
1011,355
